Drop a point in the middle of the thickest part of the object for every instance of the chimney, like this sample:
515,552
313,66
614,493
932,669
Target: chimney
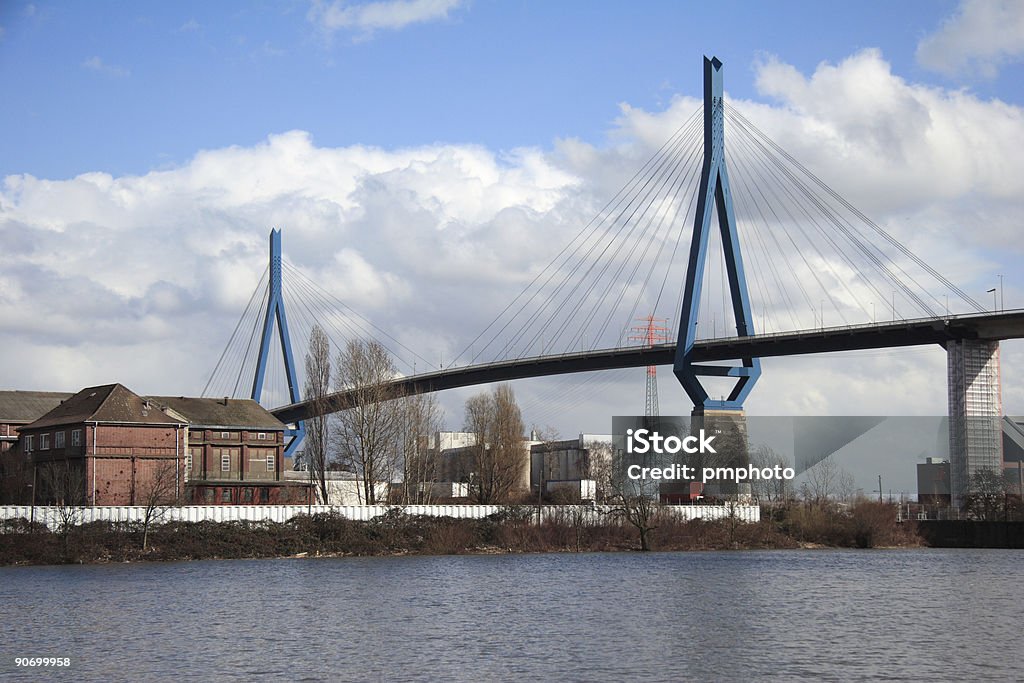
225,400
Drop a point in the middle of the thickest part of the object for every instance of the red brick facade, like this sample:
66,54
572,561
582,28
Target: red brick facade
106,445
111,464
240,467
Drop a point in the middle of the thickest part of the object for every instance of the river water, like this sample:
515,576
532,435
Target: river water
934,615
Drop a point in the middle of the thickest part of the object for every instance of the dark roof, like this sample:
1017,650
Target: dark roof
22,407
234,413
111,403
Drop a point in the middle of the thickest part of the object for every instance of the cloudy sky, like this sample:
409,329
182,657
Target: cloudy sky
426,158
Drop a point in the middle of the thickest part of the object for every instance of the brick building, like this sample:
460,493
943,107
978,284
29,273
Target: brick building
107,445
235,452
104,445
17,409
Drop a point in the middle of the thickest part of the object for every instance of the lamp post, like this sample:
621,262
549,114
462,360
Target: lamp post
995,301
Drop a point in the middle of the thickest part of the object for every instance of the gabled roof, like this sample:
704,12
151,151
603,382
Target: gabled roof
110,403
22,407
232,413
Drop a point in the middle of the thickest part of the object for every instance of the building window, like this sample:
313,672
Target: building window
225,462
270,463
262,436
225,435
44,442
225,495
58,439
264,494
76,437
188,463
247,495
208,495
28,443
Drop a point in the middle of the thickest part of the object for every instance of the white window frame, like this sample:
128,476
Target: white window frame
225,435
76,437
28,443
225,462
261,436
44,442
59,439
271,461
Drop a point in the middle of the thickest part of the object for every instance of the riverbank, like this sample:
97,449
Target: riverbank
866,525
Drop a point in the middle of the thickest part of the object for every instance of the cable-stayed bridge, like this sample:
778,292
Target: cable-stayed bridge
986,327
778,264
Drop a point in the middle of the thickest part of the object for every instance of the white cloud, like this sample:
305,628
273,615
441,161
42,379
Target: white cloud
96,64
980,37
895,145
373,16
140,279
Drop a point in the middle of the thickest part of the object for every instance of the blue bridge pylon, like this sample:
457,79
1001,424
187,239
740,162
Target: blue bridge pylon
714,186
275,313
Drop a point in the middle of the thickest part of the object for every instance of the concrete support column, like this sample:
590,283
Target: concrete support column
975,413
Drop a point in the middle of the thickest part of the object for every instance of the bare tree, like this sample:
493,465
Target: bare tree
547,433
159,493
318,386
846,487
498,456
369,433
986,495
598,467
421,419
629,501
15,478
63,486
772,491
822,480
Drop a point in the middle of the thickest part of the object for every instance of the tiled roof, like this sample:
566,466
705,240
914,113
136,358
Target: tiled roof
112,403
22,407
232,413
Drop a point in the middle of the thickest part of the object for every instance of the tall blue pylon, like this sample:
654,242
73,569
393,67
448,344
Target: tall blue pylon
714,186
275,312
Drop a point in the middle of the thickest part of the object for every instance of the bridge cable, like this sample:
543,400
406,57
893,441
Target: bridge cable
245,313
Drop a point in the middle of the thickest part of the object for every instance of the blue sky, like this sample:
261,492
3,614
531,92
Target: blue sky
426,158
126,87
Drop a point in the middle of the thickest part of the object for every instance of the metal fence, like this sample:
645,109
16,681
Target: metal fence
54,516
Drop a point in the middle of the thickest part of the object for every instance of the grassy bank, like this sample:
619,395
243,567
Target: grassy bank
865,525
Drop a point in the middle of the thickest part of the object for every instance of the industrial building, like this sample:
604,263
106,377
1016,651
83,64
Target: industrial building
235,452
456,459
107,445
579,468
19,408
936,477
104,445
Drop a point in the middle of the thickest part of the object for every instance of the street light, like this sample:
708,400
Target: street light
995,303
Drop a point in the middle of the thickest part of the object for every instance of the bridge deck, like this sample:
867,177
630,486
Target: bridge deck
939,330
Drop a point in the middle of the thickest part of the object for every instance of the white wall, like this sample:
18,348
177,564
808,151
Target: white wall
282,513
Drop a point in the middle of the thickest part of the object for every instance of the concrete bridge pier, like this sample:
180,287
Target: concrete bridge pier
975,413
